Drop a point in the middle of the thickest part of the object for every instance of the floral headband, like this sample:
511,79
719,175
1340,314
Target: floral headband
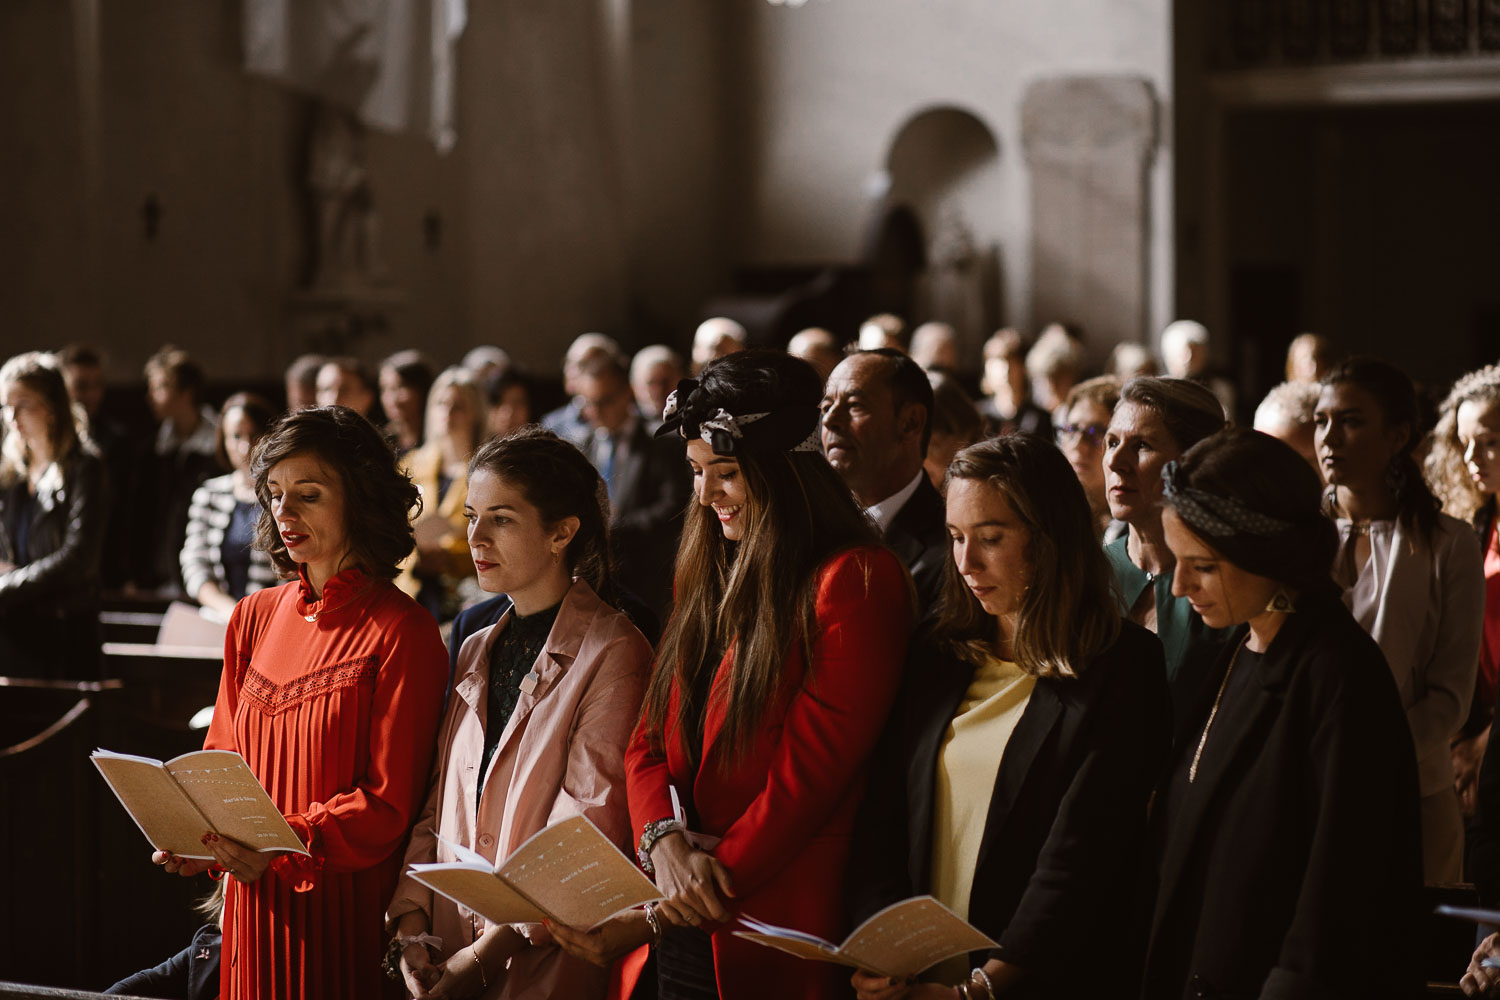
693,413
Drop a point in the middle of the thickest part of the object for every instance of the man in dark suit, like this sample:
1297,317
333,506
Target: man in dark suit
877,420
647,477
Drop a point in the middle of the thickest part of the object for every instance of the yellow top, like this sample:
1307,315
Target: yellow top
968,763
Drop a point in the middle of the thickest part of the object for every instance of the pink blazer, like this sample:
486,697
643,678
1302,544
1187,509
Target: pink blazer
561,754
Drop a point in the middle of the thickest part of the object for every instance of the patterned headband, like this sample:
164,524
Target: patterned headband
691,412
1211,514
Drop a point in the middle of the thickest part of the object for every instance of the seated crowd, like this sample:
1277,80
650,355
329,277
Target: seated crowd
806,633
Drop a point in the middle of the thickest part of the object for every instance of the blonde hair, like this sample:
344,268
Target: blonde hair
467,383
1054,352
1445,468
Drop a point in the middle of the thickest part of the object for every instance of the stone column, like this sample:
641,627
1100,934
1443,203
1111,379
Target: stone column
1089,142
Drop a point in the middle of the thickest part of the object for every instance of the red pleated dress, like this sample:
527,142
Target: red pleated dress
337,718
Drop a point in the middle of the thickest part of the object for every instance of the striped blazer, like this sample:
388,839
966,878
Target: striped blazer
208,519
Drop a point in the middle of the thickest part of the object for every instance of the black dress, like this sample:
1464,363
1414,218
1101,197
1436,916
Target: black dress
1298,845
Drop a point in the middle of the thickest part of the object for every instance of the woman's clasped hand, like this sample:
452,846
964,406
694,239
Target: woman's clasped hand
695,883
461,975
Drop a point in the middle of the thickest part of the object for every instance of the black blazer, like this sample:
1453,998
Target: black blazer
918,534
64,542
191,974
1299,844
1065,833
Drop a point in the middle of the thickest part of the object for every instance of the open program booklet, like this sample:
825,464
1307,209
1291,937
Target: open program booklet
901,940
570,872
176,802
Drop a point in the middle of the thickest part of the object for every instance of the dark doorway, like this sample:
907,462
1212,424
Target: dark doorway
1377,226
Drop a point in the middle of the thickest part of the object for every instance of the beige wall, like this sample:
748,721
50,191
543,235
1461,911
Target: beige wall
834,81
615,159
556,217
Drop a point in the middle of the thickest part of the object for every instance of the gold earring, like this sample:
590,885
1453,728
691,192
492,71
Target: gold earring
1281,601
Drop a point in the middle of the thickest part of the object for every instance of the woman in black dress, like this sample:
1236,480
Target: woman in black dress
1288,826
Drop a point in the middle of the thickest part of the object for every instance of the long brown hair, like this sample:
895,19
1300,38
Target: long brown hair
1396,397
754,596
42,374
1068,614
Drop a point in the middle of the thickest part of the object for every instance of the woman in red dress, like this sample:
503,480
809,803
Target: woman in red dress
773,679
332,690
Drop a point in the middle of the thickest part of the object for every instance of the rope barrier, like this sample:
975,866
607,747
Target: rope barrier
71,716
78,687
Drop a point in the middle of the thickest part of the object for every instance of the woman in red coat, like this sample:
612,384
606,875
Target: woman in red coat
332,689
773,679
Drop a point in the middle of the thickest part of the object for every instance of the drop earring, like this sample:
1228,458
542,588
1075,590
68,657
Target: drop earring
1281,601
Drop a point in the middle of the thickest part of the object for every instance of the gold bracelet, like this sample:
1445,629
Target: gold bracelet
484,982
979,979
654,922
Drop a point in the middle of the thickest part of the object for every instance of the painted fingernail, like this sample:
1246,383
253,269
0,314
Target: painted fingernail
205,838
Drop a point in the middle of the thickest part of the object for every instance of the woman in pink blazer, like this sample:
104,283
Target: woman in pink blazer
543,705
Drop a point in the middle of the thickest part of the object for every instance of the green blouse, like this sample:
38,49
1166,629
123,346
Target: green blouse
1189,645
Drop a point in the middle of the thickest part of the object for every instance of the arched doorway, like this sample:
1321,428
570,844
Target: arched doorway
942,168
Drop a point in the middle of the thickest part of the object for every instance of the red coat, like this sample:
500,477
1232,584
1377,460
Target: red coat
786,810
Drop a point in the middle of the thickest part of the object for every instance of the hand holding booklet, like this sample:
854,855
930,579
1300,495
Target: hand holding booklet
901,940
570,872
176,802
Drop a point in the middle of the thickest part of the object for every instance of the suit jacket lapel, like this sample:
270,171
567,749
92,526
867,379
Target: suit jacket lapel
1043,709
630,461
574,619
713,722
944,691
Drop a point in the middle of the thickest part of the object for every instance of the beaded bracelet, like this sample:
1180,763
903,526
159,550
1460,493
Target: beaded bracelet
980,980
391,963
654,831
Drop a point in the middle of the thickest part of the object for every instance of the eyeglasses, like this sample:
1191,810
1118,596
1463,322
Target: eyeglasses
1071,433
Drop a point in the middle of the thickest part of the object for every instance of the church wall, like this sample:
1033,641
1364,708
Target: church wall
834,81
520,236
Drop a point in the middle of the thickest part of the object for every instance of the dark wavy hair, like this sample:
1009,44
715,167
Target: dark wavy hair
379,499
1396,397
755,595
1068,614
556,479
1263,476
257,408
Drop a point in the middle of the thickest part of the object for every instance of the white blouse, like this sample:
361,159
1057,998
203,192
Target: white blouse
1424,604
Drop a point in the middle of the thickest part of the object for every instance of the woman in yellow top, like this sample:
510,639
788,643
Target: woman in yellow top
454,428
1021,756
